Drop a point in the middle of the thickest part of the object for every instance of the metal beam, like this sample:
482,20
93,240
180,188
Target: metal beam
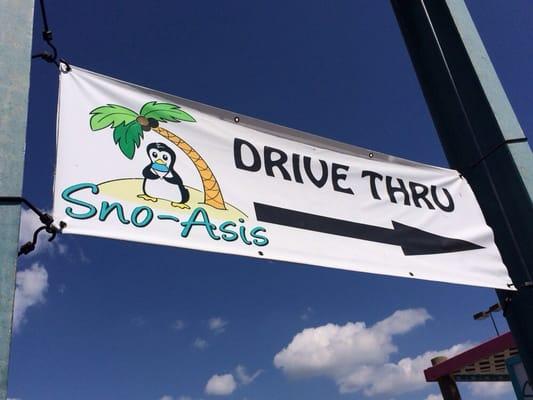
481,137
447,385
16,20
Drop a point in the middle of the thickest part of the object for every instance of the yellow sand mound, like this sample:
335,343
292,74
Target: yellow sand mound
129,189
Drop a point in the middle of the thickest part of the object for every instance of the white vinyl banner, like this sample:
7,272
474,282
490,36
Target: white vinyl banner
140,165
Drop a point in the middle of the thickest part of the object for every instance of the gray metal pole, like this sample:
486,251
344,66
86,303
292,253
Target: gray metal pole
481,137
16,22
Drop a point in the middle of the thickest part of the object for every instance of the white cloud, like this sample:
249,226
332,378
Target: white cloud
243,377
185,398
217,324
434,397
166,397
357,357
31,285
405,376
306,314
62,288
334,350
490,389
200,343
83,257
178,325
220,385
225,384
138,321
29,223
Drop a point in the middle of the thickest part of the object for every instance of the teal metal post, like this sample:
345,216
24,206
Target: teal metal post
481,137
16,22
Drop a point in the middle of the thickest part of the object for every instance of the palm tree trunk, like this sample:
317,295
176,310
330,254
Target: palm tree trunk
212,193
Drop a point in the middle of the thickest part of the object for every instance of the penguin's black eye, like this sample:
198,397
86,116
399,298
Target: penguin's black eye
154,154
165,157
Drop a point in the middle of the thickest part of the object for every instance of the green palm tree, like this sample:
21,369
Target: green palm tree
128,132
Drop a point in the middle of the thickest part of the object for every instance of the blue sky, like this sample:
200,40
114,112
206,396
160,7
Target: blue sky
103,319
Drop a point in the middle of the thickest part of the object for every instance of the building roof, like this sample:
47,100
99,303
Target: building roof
484,362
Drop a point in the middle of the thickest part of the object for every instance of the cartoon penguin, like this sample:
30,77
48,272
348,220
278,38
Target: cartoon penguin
160,179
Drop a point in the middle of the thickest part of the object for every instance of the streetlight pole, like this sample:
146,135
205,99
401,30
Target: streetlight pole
16,20
481,137
494,324
488,313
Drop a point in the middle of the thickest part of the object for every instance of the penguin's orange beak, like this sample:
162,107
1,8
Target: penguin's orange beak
159,161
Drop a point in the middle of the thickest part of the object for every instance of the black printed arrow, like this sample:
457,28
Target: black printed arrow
413,241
